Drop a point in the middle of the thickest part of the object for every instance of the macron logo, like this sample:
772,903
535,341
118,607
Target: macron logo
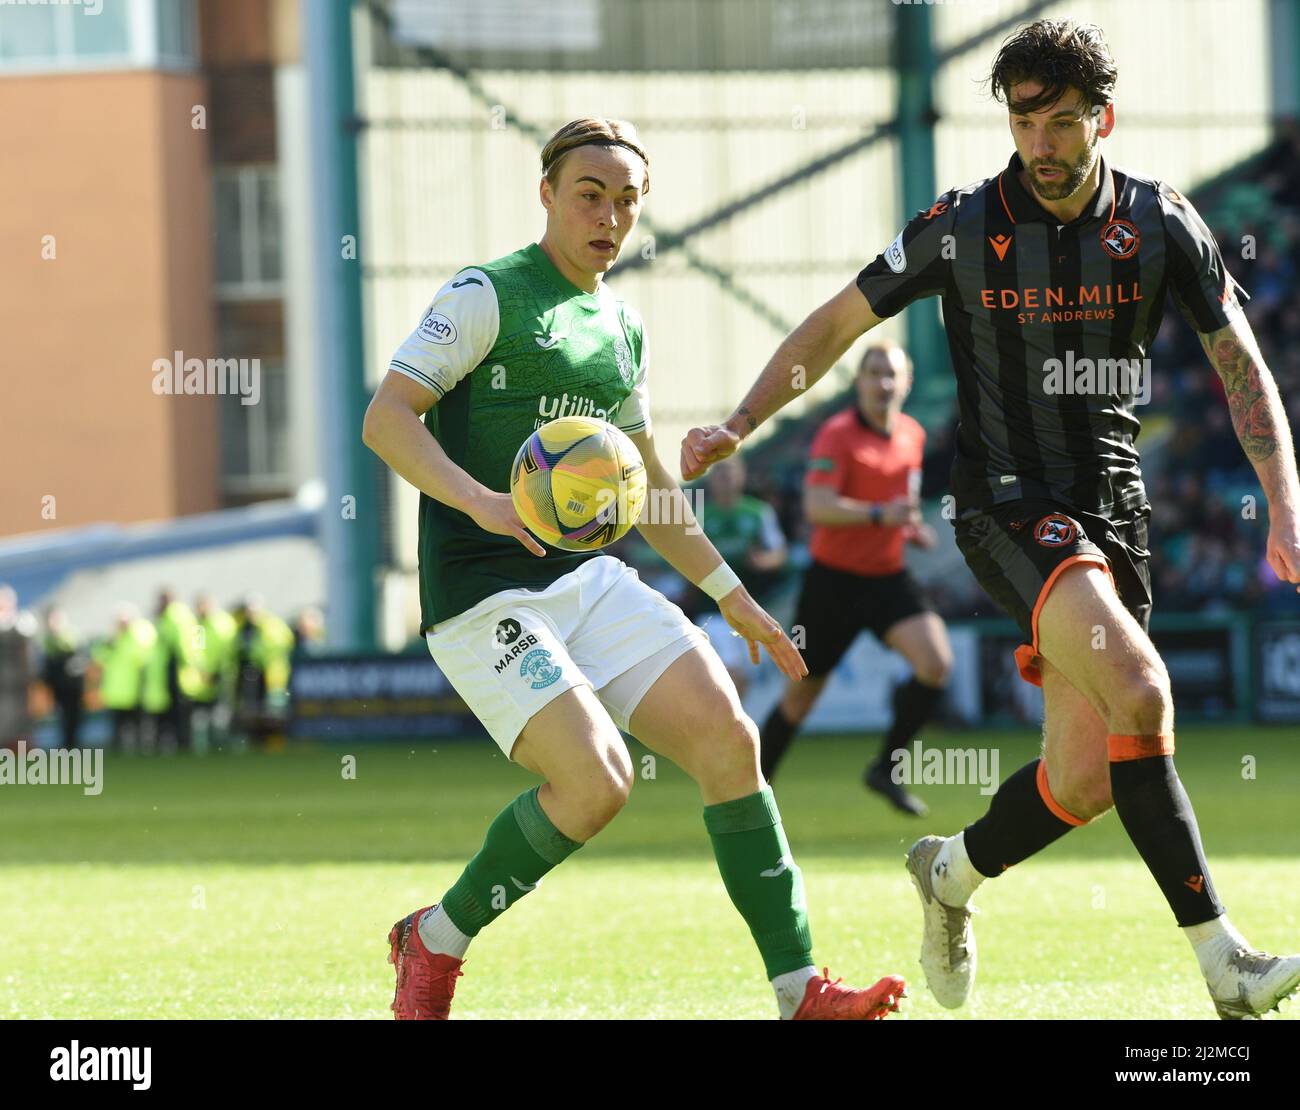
116,1065
546,342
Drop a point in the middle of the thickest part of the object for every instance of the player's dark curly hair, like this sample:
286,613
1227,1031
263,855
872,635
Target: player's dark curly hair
1057,54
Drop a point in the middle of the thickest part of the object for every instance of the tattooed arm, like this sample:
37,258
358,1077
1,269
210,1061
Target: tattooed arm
1261,425
800,361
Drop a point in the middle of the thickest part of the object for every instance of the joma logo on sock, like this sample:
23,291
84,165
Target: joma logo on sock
922,766
115,1065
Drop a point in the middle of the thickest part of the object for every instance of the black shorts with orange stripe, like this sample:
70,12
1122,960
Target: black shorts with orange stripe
1017,550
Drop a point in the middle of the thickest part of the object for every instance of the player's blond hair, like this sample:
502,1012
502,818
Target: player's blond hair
591,131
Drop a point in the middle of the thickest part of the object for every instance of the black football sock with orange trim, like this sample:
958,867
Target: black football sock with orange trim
1023,818
1158,817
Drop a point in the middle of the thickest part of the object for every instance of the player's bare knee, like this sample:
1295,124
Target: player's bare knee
621,772
594,790
728,756
738,744
1140,701
933,670
606,795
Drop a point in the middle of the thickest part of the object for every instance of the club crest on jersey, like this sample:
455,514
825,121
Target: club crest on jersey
1120,239
623,356
436,328
1055,531
895,256
538,669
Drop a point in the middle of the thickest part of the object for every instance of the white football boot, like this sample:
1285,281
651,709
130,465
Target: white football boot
1251,983
948,941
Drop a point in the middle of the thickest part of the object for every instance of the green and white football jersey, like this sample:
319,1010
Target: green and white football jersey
507,347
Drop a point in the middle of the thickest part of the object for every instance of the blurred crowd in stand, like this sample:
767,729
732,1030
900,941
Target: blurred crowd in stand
185,679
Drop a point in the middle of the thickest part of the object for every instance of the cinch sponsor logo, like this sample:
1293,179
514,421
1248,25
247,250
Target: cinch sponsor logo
1103,377
117,1065
523,645
437,328
896,256
552,408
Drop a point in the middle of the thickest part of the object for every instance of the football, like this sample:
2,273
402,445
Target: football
578,483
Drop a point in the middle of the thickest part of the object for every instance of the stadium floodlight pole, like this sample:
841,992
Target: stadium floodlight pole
916,65
350,538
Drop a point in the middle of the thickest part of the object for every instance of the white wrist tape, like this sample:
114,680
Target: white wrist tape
720,581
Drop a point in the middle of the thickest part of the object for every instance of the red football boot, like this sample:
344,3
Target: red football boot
827,1001
425,980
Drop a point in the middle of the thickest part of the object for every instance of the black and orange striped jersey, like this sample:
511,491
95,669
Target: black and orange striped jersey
1049,326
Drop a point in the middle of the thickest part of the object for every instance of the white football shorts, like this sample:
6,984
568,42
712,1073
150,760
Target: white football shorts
598,625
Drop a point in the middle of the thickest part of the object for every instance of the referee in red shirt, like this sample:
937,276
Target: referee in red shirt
862,493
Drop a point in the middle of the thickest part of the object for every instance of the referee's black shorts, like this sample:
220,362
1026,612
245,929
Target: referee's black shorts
835,605
1016,552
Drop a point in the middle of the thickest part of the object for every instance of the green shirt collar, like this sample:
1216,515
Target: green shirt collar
565,286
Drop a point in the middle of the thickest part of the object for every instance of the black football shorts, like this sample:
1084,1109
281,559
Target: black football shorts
1016,552
835,605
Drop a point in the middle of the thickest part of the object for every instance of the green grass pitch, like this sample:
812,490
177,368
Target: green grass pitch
264,886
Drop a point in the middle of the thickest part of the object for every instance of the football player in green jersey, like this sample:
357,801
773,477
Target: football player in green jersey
556,651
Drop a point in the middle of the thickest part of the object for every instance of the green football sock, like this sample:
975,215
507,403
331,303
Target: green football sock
520,847
762,878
